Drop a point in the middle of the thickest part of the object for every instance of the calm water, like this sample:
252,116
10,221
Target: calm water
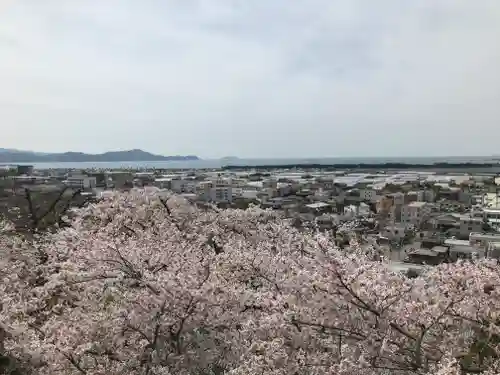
217,163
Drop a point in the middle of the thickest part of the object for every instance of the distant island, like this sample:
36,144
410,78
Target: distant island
19,156
229,159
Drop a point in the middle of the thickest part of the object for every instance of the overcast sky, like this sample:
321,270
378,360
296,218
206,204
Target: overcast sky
259,78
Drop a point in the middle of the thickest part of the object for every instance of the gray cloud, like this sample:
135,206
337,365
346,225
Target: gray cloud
254,79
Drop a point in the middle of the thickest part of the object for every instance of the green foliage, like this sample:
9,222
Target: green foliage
11,366
39,210
481,350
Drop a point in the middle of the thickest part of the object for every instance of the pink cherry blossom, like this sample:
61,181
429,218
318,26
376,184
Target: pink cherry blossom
148,284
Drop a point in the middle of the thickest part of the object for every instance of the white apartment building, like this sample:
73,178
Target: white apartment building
163,183
491,214
416,212
183,186
483,239
217,190
81,182
222,194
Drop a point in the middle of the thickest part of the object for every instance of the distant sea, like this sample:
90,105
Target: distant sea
217,163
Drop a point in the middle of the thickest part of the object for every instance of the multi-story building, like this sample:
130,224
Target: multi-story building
203,189
163,183
24,169
100,178
117,179
399,198
217,190
390,205
416,212
80,182
183,185
178,185
491,214
483,239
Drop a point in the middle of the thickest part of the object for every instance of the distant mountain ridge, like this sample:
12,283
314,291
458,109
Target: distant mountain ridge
19,156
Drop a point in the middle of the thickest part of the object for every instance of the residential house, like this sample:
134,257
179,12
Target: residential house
491,214
425,256
470,225
163,182
368,194
406,268
283,189
318,208
446,222
483,239
465,252
414,196
394,232
493,250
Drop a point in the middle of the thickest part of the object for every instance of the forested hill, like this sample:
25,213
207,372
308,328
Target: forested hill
15,156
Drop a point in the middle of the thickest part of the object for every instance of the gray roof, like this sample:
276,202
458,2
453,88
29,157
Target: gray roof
464,249
423,252
405,267
440,249
317,205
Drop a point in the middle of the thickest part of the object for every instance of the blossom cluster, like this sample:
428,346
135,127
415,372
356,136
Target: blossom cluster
148,284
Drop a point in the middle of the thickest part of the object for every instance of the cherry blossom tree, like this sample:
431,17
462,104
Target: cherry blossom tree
143,283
